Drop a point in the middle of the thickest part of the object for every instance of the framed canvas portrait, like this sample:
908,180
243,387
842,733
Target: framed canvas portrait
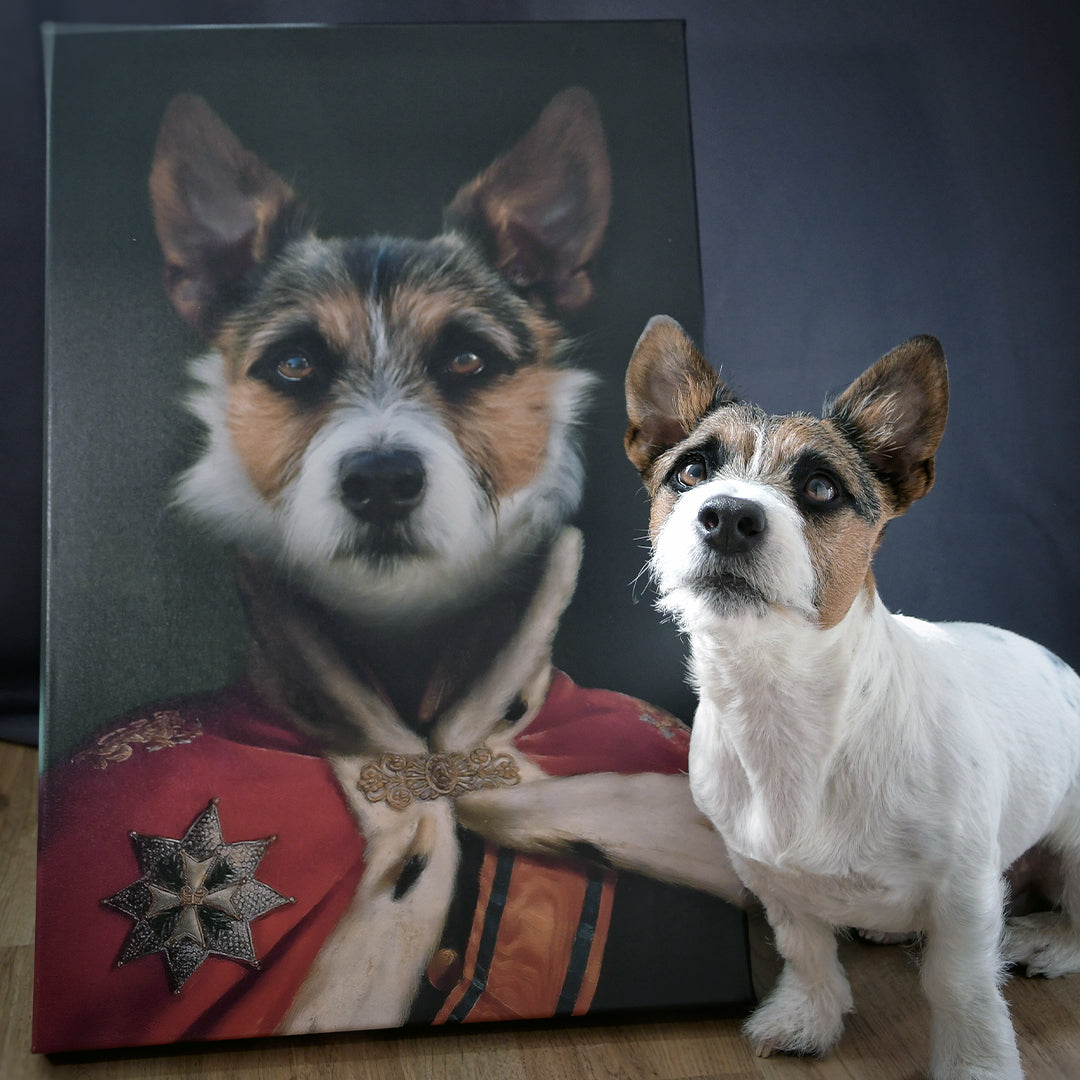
351,719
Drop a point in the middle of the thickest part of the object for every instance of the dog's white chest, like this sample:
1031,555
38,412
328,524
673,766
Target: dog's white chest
801,847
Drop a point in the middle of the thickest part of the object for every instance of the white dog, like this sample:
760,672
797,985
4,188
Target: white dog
864,768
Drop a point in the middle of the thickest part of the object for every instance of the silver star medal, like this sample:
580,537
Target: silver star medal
197,898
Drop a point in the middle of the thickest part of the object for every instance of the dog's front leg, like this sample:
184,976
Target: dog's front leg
803,1013
971,1037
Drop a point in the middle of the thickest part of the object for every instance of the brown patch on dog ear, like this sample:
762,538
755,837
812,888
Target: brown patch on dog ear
217,208
541,209
670,386
895,413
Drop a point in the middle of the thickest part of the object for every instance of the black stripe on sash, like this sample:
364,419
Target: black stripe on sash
492,917
583,939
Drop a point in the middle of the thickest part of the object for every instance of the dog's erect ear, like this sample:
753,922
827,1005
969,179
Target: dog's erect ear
217,208
669,388
541,209
895,413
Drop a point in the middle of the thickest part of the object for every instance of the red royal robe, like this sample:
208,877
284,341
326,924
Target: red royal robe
155,773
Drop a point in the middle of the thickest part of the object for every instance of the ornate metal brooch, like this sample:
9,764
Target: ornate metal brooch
397,779
197,898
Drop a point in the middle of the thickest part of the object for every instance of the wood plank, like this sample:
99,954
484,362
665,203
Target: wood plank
18,843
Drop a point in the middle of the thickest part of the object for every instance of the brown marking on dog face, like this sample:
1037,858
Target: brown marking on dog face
503,424
662,503
269,434
339,316
732,427
503,430
418,314
841,542
502,427
841,558
737,429
878,440
342,318
547,334
727,426
269,431
742,442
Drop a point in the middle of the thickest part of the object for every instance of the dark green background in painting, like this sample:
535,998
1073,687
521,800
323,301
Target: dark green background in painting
376,127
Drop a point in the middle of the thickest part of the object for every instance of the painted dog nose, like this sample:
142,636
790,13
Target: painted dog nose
381,486
731,526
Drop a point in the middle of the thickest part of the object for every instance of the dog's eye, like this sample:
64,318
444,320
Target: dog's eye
821,489
295,367
300,367
465,364
692,473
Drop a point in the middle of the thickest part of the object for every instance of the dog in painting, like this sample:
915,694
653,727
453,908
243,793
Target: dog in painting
390,442
389,418
864,768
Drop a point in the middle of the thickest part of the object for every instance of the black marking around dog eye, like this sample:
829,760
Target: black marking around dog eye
817,486
300,366
695,465
691,472
824,485
463,361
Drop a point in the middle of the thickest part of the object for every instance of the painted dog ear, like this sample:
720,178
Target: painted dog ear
895,414
670,387
217,208
541,209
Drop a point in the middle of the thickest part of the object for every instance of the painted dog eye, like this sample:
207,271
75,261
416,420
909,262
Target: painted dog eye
301,367
692,473
821,489
295,367
465,364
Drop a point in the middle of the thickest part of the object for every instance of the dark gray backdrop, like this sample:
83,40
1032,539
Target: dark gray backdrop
864,172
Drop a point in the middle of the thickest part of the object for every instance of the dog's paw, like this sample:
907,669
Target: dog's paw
789,1024
977,1072
1043,943
1003,1065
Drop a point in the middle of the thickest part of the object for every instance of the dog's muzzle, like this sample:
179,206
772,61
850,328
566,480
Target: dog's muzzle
731,526
381,487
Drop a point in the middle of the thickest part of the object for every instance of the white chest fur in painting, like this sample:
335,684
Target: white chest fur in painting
864,768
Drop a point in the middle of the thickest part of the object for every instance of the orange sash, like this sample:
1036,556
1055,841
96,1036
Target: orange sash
537,939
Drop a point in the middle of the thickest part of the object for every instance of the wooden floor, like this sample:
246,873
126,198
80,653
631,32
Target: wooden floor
886,1038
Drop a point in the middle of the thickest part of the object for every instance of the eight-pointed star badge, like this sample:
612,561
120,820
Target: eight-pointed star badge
197,898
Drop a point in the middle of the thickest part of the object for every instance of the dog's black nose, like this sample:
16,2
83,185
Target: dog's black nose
731,526
381,486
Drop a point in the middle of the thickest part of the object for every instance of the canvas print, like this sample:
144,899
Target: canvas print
348,719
